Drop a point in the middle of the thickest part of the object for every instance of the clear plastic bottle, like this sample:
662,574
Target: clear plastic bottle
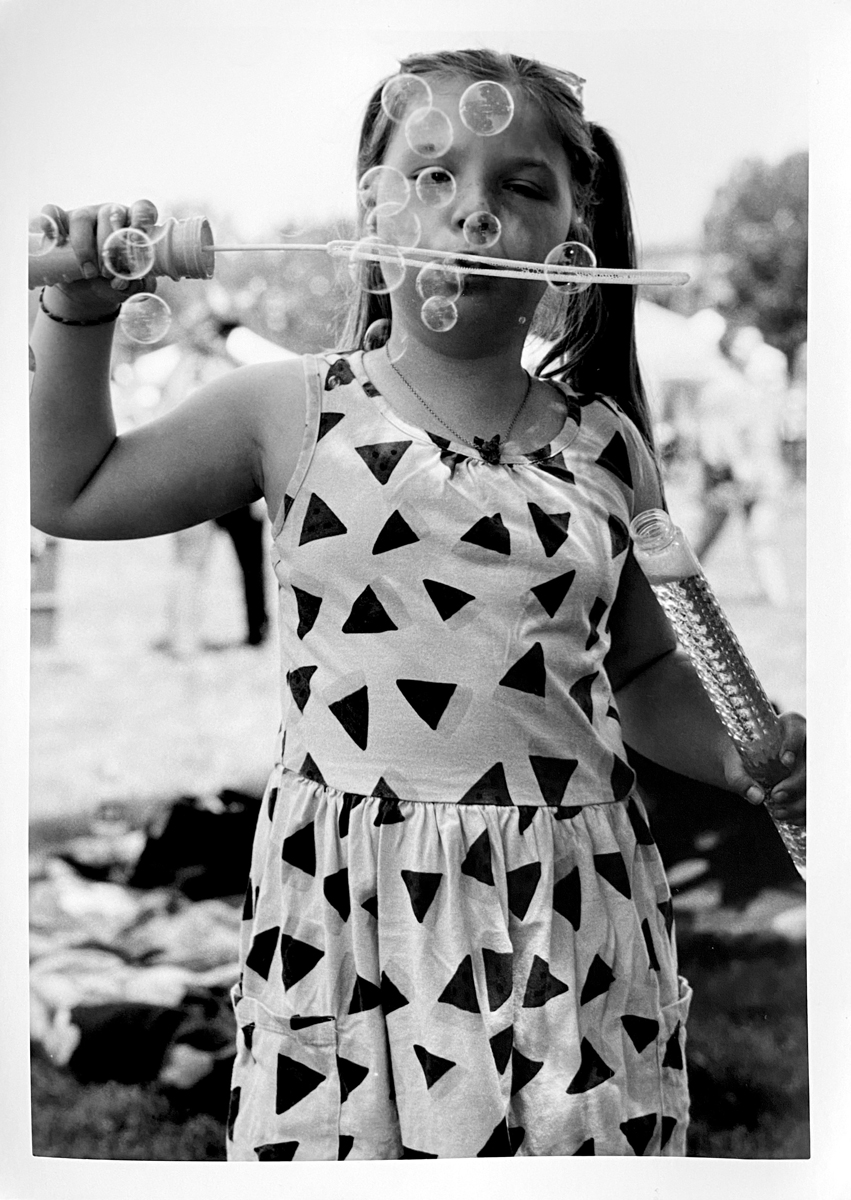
704,632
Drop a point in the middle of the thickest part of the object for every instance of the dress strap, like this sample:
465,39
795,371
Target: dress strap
313,375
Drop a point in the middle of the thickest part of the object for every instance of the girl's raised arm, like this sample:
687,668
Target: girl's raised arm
235,440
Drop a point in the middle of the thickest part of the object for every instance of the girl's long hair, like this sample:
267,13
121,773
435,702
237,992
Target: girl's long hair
591,334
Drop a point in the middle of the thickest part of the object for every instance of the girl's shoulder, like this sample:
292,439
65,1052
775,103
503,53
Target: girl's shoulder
623,450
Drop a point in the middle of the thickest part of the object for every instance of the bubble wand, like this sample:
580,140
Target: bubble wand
728,678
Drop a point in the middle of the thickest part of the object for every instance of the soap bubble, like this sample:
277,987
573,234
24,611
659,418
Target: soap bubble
128,253
403,92
569,254
486,108
482,229
377,334
438,314
43,235
437,280
428,132
435,187
376,266
144,318
400,229
383,189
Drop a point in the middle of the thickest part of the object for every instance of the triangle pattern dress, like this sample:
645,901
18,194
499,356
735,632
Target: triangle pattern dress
457,937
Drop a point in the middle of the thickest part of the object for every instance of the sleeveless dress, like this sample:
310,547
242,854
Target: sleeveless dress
457,934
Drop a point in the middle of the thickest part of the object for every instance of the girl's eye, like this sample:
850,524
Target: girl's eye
524,188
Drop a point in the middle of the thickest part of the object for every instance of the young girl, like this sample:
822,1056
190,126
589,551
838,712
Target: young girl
457,935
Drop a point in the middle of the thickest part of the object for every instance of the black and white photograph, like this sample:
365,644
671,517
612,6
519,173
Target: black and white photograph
426,545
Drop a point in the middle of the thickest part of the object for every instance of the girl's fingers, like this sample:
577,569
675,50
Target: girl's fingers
143,214
60,218
82,234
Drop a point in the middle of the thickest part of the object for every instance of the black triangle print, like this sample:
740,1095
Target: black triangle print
619,535
492,788
289,501
669,1124
523,1070
498,976
336,891
339,373
580,693
638,1131
248,1034
394,533
310,771
350,1074
599,979
461,989
623,779
666,908
552,593
350,800
344,1146
368,615
434,1067
353,714
320,522
525,816
555,466
299,959
567,898
477,863
501,1046
276,1151
522,883
233,1109
273,800
592,1071
383,790
391,997
553,776
299,849
388,812
295,1080
298,681
327,421
615,458
365,996
595,615
613,869
383,458
298,1022
248,902
369,388
447,600
674,1051
407,1152
529,673
422,887
308,610
587,1147
371,906
643,836
427,699
503,1142
262,951
551,528
566,812
542,986
642,1030
490,533
648,941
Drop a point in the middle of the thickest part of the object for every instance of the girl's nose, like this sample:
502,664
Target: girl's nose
471,197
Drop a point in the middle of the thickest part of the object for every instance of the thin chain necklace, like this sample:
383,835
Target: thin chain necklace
490,449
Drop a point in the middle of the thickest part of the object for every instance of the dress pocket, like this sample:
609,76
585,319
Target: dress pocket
285,1094
671,1049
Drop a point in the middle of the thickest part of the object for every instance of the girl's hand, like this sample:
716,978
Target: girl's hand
788,798
86,229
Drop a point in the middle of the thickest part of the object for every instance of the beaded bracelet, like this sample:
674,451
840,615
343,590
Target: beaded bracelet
106,320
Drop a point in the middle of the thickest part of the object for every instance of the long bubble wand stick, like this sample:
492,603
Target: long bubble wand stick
728,678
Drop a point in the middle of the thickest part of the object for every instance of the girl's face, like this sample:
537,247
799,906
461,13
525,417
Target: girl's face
521,176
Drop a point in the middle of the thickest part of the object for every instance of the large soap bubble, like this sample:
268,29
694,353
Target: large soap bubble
486,107
435,187
144,318
404,92
383,189
428,132
441,280
569,254
128,253
482,229
438,314
376,266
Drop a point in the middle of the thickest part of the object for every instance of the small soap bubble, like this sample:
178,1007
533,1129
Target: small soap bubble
486,107
144,318
569,254
403,92
376,266
482,229
128,253
437,280
400,229
377,334
428,132
438,314
435,187
43,235
384,189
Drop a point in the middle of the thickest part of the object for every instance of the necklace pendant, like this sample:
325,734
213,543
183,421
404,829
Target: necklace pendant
489,450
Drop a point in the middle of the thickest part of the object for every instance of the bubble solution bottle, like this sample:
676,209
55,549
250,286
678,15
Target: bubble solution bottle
704,632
